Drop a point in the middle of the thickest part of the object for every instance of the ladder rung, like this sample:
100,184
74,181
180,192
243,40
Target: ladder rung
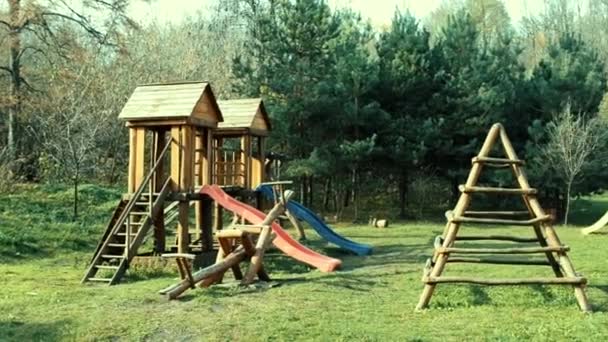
491,160
138,223
517,250
497,213
109,256
495,237
465,219
106,267
116,244
506,281
107,280
500,261
139,213
125,234
495,190
142,203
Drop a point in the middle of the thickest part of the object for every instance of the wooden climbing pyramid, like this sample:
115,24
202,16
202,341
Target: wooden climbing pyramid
546,239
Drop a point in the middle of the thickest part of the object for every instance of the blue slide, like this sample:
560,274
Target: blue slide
305,214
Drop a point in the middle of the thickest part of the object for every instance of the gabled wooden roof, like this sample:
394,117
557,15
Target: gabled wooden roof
191,102
244,114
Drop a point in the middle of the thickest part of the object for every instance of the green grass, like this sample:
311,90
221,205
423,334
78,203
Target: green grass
371,299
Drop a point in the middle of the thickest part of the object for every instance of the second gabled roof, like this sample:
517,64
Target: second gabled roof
245,114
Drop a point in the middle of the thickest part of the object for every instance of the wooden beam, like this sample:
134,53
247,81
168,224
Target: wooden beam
506,281
518,250
493,190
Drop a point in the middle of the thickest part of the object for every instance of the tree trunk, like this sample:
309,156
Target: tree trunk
310,192
76,180
355,195
15,86
403,183
567,211
326,194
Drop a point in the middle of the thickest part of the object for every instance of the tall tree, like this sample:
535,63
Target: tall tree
37,30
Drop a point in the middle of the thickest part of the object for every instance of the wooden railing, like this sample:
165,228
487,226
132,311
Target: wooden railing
229,168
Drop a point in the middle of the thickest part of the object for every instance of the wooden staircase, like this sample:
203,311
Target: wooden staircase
127,229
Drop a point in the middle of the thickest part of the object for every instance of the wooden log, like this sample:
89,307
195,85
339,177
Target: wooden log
499,261
530,222
495,190
294,222
230,260
179,255
249,247
229,233
492,160
496,237
507,281
497,213
518,250
551,236
226,244
264,239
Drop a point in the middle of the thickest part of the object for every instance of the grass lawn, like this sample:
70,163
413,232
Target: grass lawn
43,256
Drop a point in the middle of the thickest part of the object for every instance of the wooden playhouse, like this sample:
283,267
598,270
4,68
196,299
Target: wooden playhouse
177,136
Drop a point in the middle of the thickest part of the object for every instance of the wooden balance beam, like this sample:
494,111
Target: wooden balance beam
226,261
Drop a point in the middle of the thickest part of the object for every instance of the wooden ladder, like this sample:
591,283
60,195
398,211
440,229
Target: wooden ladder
127,229
545,237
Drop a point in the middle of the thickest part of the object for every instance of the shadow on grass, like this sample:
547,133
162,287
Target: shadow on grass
14,330
480,296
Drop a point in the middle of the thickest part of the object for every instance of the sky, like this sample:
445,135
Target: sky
379,12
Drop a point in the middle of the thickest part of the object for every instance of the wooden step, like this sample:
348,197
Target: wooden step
506,281
139,213
499,261
111,244
125,234
496,190
105,280
496,238
110,256
464,219
138,223
516,250
496,161
106,267
497,213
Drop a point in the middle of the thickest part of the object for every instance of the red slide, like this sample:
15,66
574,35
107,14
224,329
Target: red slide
283,240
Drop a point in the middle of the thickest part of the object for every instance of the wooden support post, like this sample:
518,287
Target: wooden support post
246,160
294,221
551,236
137,137
207,224
199,156
452,227
264,239
159,220
182,169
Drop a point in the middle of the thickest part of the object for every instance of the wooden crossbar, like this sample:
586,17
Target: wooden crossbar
506,281
497,213
530,222
496,190
518,250
499,261
495,237
491,160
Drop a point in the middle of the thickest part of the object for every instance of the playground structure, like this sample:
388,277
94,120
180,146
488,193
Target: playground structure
188,159
545,235
597,226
